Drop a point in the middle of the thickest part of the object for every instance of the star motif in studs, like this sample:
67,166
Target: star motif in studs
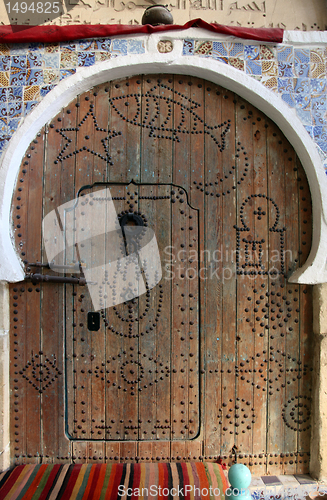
64,132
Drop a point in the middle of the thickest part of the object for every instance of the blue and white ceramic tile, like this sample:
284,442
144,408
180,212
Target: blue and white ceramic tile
253,67
35,46
3,144
119,48
84,45
251,52
13,125
319,101
302,85
86,58
17,78
301,56
15,109
34,77
136,47
303,100
301,70
15,93
318,117
3,109
285,85
34,59
188,47
321,144
67,46
285,69
51,60
102,44
305,116
4,63
309,129
28,106
4,94
320,133
318,85
289,99
220,49
285,54
46,89
236,50
66,72
18,62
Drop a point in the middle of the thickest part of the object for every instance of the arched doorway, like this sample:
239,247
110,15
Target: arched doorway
223,342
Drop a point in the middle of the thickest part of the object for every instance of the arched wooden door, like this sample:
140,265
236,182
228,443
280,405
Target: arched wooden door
218,354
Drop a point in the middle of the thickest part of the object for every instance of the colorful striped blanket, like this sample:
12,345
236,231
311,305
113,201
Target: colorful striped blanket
143,481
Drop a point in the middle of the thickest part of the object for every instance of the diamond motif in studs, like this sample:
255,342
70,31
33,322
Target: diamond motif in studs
40,374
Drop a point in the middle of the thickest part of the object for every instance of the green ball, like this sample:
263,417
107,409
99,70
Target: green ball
239,476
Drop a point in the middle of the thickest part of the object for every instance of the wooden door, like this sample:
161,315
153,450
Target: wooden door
217,356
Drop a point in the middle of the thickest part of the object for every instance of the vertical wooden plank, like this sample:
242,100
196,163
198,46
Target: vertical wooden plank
18,382
99,142
33,243
55,446
115,332
124,130
212,263
275,400
25,343
258,347
65,293
148,305
83,345
245,280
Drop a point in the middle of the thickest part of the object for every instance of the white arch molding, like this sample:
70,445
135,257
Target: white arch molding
314,270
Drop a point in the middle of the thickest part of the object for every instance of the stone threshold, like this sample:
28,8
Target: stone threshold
288,487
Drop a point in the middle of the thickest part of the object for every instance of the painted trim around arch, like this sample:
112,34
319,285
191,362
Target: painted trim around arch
314,270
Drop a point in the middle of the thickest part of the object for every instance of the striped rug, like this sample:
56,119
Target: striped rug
163,481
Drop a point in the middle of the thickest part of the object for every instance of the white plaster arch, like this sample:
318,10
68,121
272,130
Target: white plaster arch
315,268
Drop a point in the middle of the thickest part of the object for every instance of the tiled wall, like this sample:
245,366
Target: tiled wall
299,75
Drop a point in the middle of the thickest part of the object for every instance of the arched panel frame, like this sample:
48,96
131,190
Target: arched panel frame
314,270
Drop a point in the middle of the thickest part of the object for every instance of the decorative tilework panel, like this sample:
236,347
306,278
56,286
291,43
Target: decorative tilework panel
299,75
